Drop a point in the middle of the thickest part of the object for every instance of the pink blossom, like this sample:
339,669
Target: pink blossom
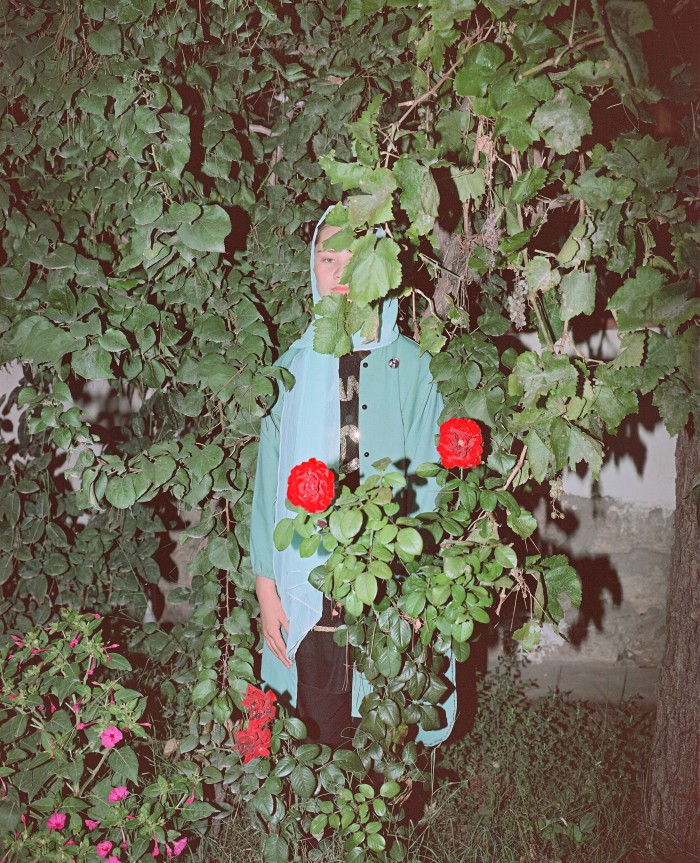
111,736
90,824
103,848
74,642
179,845
57,821
113,859
156,849
71,842
81,725
117,794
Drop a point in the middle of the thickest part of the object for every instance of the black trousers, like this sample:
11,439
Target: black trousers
324,685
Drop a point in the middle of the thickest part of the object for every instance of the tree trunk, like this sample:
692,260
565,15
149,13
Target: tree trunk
674,781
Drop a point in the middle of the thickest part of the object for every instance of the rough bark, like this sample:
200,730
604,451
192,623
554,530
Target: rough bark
674,781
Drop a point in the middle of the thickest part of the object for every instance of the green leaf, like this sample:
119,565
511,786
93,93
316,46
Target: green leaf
124,763
208,232
150,209
120,491
275,850
205,460
470,183
366,587
11,283
389,789
505,556
376,206
374,268
540,275
419,194
303,781
204,692
113,341
351,523
563,121
388,661
106,41
538,455
409,541
528,185
478,70
523,524
577,294
92,363
560,579
222,552
529,634
350,176
539,376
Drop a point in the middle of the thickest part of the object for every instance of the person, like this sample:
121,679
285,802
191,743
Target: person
377,401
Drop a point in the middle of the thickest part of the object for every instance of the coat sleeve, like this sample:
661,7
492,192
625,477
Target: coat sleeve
262,517
420,433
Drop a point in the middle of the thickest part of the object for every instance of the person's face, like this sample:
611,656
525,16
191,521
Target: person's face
329,264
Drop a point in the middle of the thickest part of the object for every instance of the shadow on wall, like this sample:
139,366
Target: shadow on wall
598,578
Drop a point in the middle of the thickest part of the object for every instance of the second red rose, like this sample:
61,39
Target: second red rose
311,485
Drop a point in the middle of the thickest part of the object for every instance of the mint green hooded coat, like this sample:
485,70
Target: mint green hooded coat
398,417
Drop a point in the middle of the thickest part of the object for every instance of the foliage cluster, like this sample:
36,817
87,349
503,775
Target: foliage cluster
78,763
160,165
536,780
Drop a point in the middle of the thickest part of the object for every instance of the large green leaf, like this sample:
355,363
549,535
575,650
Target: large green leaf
374,268
208,232
563,121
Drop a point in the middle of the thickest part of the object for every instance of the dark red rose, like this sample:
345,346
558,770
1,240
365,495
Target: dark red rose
460,443
311,485
260,705
253,741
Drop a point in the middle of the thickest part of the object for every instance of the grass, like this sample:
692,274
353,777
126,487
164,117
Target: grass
549,781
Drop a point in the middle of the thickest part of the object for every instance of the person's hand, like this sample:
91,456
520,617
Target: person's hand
272,617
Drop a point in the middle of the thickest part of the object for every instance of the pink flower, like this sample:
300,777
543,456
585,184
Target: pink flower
117,794
111,736
74,641
57,821
156,849
90,824
103,848
113,859
179,845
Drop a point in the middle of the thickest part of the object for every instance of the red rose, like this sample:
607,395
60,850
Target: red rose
311,485
260,705
460,443
253,741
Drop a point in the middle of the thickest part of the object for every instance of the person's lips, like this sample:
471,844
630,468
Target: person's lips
341,289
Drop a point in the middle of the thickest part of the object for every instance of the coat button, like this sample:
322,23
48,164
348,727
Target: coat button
394,363
365,365
366,455
364,407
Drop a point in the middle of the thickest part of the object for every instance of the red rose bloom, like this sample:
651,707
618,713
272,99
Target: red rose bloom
460,443
311,485
260,705
253,741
